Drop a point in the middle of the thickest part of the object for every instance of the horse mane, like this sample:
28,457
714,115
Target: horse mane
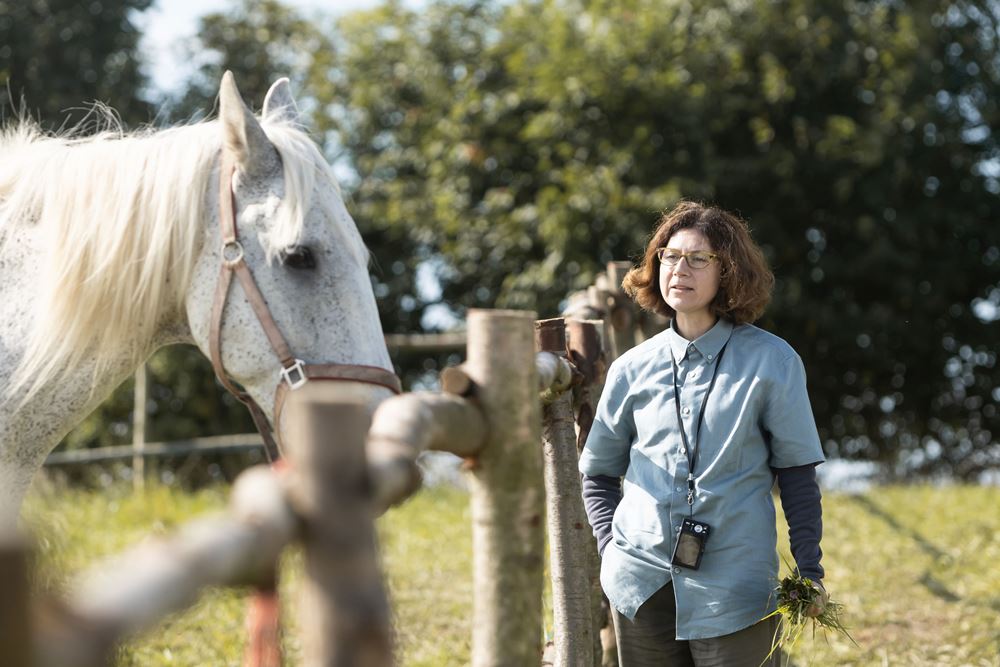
121,218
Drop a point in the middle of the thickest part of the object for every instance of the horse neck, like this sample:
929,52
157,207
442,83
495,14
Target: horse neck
30,429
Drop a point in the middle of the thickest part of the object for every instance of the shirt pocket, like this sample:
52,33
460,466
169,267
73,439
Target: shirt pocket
719,454
637,520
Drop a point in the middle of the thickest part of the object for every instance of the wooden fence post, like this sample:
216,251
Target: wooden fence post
343,611
506,492
586,351
569,533
621,312
139,430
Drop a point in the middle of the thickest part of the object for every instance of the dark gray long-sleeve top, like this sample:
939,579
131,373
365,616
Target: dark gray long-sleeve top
800,500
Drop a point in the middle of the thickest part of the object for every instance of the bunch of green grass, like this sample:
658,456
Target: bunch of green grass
798,599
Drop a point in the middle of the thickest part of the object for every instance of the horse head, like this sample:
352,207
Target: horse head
301,247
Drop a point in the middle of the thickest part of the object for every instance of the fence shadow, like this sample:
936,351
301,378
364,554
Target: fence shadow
936,588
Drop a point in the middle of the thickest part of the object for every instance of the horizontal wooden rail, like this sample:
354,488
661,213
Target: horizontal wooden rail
434,342
240,442
406,425
137,589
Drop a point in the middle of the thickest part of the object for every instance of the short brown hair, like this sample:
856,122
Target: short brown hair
745,281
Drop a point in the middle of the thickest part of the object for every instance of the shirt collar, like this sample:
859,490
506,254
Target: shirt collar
709,344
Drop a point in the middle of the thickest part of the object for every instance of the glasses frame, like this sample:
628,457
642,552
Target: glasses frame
712,257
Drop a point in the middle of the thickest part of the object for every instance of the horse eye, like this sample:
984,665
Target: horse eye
298,257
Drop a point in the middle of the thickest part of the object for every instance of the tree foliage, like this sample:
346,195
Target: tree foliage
259,41
59,55
521,145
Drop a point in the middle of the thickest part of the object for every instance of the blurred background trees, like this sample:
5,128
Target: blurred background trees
60,55
498,154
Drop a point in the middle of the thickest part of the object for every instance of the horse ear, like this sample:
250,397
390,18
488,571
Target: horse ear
279,103
242,135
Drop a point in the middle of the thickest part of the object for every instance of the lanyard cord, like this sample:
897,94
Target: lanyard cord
692,453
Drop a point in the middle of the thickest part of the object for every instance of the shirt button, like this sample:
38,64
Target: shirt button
710,357
683,451
677,570
679,489
686,411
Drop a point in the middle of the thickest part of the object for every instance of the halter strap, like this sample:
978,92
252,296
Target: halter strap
294,372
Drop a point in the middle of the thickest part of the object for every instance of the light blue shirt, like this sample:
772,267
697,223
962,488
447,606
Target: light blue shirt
757,417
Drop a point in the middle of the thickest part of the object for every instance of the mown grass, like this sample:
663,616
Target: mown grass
918,569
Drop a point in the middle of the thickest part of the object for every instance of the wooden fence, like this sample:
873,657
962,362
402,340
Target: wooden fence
490,412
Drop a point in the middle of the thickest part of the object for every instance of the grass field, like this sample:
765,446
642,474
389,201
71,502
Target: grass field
918,569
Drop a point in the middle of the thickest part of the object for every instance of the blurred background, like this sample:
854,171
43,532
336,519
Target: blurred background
499,154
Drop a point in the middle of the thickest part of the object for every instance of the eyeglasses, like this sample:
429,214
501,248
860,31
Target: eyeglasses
698,259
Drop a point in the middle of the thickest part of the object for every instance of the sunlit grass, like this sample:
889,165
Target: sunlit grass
915,567
426,551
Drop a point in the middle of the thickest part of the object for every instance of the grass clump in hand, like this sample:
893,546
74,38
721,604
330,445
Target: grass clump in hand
801,601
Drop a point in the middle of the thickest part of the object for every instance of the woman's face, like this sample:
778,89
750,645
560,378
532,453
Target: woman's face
689,291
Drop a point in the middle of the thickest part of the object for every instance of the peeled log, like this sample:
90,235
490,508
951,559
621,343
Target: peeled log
343,612
136,590
569,534
408,424
506,492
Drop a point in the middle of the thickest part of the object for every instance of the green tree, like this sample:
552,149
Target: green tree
259,41
58,55
519,146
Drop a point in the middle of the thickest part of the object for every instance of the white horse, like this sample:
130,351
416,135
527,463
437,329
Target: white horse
110,248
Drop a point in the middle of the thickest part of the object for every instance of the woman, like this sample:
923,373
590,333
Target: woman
699,420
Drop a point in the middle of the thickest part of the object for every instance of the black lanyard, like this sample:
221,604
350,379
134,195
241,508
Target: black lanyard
692,452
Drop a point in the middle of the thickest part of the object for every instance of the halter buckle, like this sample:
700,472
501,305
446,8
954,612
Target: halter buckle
295,375
232,253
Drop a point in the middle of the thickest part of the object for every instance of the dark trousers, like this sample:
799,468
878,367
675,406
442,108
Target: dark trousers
650,640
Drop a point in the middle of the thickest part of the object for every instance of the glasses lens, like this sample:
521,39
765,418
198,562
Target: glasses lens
669,257
699,260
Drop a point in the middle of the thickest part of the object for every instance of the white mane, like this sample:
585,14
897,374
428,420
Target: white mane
121,217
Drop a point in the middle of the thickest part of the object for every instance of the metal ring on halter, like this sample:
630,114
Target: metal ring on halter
232,253
295,375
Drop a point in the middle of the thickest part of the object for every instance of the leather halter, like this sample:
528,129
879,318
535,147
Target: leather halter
294,372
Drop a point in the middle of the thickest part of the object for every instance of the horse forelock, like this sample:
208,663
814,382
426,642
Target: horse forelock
121,217
305,169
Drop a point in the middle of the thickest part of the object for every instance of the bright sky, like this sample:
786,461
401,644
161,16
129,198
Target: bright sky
169,21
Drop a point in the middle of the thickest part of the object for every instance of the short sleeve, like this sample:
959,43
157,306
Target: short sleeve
607,449
788,418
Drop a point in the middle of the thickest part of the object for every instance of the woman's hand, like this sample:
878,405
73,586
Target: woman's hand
819,603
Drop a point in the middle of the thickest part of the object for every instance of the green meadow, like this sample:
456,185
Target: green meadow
917,568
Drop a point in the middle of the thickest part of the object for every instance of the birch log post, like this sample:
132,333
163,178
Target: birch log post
506,492
621,312
343,612
139,430
586,351
569,533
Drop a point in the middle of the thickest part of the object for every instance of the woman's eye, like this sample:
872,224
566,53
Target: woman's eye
298,257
